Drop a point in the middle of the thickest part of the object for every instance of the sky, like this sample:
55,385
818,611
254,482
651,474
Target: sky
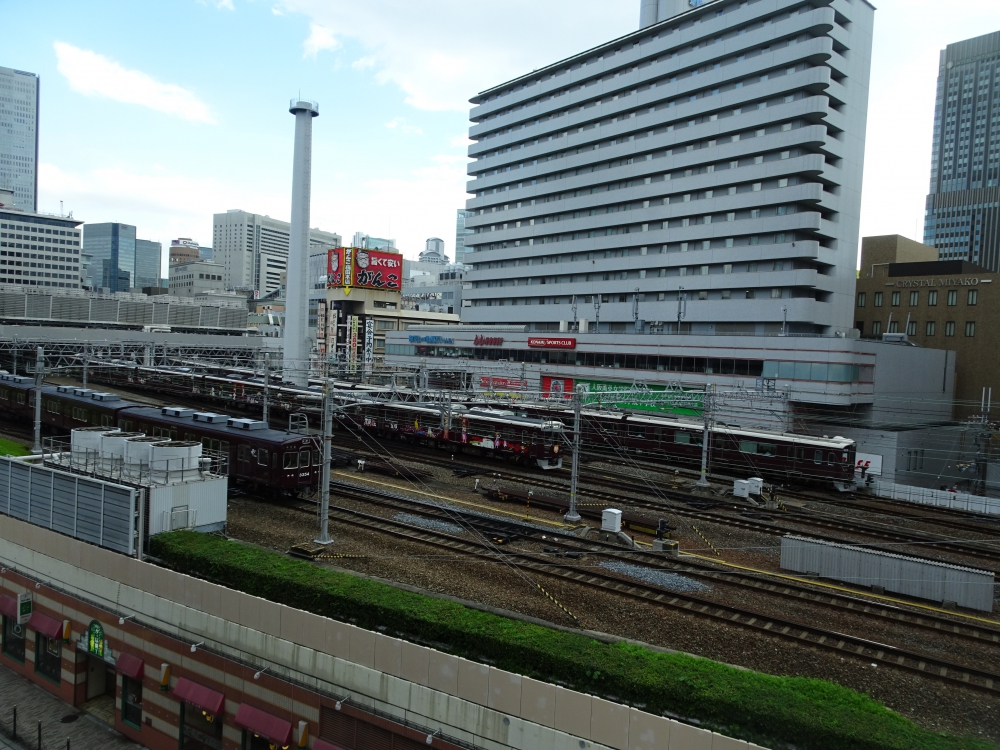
160,113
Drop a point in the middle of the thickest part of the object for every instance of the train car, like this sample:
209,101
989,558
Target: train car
258,456
479,431
775,456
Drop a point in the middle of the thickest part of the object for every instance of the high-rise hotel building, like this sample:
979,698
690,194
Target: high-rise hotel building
715,155
962,216
19,101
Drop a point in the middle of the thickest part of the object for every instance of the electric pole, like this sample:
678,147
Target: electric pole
571,515
267,385
39,375
86,361
706,406
324,494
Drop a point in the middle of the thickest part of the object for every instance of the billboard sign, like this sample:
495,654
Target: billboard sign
374,269
641,397
369,359
335,267
352,343
542,342
23,608
871,463
496,382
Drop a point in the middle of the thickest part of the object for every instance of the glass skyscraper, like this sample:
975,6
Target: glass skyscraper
147,264
19,137
461,233
963,208
111,247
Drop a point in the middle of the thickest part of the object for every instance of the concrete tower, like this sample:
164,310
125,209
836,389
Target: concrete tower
654,11
296,343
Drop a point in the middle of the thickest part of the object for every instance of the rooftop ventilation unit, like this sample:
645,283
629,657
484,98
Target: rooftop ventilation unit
13,378
85,392
176,411
211,418
105,396
64,388
247,424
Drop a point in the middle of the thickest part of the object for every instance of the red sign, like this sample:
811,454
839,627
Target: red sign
557,387
488,341
492,383
545,343
374,269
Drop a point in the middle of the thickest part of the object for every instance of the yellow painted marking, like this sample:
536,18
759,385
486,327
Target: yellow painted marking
489,508
835,587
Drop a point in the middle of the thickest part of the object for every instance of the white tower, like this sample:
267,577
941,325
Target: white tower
296,343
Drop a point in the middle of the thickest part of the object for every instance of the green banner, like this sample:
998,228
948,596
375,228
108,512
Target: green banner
652,398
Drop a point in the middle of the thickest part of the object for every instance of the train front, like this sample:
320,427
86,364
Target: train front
549,452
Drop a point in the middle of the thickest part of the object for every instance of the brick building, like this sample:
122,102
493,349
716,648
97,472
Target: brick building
903,290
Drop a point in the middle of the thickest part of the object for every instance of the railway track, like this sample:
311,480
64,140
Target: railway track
608,582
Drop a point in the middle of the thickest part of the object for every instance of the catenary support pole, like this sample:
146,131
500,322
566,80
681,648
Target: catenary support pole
572,516
39,376
706,408
267,386
324,493
86,362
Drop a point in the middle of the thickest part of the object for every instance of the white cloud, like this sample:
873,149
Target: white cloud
401,124
92,74
320,38
225,5
276,11
363,63
461,141
441,52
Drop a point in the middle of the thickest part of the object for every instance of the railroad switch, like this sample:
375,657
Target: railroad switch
307,550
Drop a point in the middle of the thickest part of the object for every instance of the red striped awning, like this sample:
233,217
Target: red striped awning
267,726
130,666
200,696
324,745
51,629
8,607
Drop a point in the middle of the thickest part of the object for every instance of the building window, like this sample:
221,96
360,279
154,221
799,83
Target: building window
931,328
895,299
878,299
949,328
973,297
893,326
952,298
48,657
876,328
13,639
914,299
132,702
911,328
199,729
932,298
861,299
970,328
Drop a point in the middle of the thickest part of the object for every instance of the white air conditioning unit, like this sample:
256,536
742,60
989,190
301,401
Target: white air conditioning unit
211,418
64,388
247,424
105,396
176,411
85,392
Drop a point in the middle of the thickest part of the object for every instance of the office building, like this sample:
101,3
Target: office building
905,292
438,290
372,243
37,249
183,250
196,277
962,213
433,252
253,249
700,175
460,234
111,247
147,263
19,103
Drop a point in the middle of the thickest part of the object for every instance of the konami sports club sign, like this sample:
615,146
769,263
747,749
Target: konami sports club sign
542,342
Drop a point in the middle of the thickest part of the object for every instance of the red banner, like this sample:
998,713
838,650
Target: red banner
546,343
374,269
557,387
492,383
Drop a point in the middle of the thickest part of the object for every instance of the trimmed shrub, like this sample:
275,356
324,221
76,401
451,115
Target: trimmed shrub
812,714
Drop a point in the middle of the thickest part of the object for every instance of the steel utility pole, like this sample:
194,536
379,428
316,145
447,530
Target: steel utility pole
39,375
267,385
324,494
571,515
706,407
86,361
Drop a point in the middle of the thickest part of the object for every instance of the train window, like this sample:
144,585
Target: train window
190,436
172,434
243,452
5,394
19,398
158,432
767,449
223,446
317,458
303,459
797,452
262,456
52,407
291,460
206,443
105,420
636,430
748,446
831,458
818,457
682,437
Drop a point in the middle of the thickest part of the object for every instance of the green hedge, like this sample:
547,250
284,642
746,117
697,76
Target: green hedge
10,448
812,714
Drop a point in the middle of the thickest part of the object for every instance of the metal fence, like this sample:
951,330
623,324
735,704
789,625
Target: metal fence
81,507
940,498
911,576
